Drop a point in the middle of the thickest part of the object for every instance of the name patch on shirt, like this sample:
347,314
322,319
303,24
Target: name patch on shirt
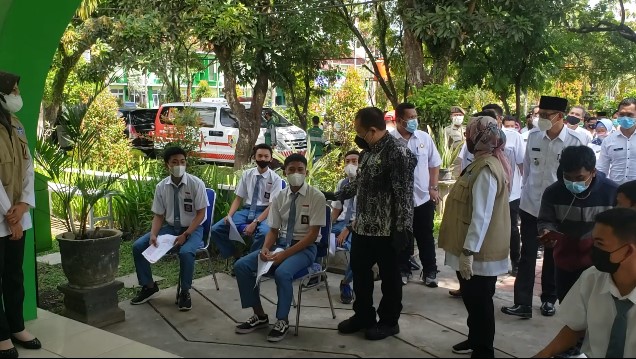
536,149
618,149
187,200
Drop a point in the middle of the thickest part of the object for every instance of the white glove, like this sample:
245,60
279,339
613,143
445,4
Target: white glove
466,266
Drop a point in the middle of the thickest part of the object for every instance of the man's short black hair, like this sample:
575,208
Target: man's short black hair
509,118
315,120
262,146
626,102
352,152
622,221
401,108
295,157
371,117
493,106
629,190
574,158
173,151
487,113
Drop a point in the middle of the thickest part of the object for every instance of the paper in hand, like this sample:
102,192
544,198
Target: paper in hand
264,266
165,242
234,233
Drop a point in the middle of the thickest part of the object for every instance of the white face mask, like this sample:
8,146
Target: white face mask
296,179
545,124
178,171
13,103
535,121
458,120
351,170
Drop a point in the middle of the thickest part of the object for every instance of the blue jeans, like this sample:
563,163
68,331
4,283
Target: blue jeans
187,254
221,233
245,270
337,228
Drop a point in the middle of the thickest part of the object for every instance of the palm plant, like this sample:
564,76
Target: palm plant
448,151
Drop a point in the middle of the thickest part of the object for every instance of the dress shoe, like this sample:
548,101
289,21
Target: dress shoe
455,293
353,325
9,353
548,309
381,331
29,344
523,311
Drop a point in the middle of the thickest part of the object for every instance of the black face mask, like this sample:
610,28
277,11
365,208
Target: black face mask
362,143
263,164
573,120
602,262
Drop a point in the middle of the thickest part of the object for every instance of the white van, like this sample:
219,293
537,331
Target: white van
219,130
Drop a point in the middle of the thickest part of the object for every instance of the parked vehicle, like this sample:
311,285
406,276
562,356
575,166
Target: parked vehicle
140,123
219,130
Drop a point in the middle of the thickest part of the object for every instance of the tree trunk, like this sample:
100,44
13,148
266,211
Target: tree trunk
518,97
504,100
413,51
439,70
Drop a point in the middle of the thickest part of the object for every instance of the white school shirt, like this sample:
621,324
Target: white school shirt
271,185
540,165
582,131
589,306
345,206
423,147
192,197
310,211
618,157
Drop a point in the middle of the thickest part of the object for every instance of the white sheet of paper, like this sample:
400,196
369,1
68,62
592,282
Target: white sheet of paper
165,242
332,244
234,233
264,267
5,204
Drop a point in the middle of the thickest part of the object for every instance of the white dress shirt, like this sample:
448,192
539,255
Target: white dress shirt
484,195
192,197
589,307
345,207
423,147
310,211
582,131
618,157
540,165
271,185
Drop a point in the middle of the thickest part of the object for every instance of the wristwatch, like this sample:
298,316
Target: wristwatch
257,222
467,252
434,188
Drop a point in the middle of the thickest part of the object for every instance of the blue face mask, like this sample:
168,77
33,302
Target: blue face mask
626,122
411,125
576,187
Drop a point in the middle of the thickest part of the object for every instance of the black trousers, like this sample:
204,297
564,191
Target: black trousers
365,252
524,283
515,237
565,280
12,294
477,295
423,218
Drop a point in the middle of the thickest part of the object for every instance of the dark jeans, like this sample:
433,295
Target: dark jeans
365,252
565,280
12,294
515,237
423,217
524,283
477,296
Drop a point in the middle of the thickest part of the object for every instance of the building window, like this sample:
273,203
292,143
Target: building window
119,94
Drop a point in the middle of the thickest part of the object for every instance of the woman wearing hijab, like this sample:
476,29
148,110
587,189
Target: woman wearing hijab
475,231
603,128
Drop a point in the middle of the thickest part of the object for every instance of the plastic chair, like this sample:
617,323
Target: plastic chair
206,240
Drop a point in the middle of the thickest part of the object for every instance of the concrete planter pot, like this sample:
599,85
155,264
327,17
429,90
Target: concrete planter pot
445,174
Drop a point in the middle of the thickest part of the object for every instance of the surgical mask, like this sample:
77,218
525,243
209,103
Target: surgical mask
351,170
263,164
458,120
545,124
602,136
178,171
576,187
296,179
411,125
572,120
12,103
615,123
626,122
602,262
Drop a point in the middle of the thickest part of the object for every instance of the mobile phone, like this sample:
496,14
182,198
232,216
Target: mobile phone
552,236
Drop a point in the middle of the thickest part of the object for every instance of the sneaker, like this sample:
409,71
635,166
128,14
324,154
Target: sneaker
430,279
145,294
413,264
253,323
185,302
462,348
346,293
279,331
381,331
405,277
354,325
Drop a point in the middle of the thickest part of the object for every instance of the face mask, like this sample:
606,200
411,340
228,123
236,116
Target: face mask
576,187
351,170
458,120
572,120
12,103
178,171
626,122
545,124
263,164
602,261
296,179
591,126
615,123
601,136
411,125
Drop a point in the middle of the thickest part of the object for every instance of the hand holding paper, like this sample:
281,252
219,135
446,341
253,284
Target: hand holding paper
165,242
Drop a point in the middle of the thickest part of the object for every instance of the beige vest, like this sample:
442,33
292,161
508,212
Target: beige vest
459,209
14,154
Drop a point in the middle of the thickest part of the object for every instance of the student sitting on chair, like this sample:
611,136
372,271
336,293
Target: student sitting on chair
295,218
255,191
179,206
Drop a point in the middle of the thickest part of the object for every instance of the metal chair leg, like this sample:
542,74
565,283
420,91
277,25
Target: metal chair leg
300,294
216,282
329,296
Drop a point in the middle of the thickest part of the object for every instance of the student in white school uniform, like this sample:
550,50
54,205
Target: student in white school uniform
295,218
618,150
179,206
255,191
600,305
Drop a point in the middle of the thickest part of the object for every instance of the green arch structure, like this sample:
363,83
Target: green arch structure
30,31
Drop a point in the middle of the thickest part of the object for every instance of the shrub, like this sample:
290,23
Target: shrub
433,105
342,108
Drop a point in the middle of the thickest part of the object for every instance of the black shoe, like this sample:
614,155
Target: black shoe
9,353
462,348
353,325
29,344
145,294
523,311
413,264
381,331
455,293
278,332
514,271
252,324
185,302
405,277
548,309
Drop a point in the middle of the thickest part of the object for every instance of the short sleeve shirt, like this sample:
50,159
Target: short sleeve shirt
192,197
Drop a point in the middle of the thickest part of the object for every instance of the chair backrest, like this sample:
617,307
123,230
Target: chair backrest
325,232
210,217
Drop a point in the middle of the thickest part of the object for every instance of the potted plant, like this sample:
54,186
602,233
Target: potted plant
448,152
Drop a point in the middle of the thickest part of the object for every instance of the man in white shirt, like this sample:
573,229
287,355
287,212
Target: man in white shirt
255,191
295,218
600,305
425,193
540,166
179,209
618,150
573,120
